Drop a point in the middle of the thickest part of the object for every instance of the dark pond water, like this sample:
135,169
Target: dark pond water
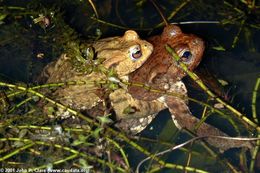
237,63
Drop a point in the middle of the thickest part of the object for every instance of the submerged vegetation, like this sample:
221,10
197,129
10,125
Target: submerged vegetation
35,33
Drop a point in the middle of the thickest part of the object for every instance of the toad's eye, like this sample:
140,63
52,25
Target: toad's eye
184,53
135,52
186,56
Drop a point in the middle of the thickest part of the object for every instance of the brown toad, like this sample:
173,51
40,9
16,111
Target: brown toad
160,71
138,107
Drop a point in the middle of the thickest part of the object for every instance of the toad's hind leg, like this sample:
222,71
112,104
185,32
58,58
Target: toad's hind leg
183,118
133,115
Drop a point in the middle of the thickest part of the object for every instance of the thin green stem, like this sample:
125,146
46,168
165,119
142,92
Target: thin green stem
16,151
20,104
75,152
87,119
121,151
254,96
58,161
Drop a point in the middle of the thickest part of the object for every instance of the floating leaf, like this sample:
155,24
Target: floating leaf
2,16
82,137
22,133
35,98
104,119
96,132
51,110
76,142
84,164
18,144
113,86
111,72
82,140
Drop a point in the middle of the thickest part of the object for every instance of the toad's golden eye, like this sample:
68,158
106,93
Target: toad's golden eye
135,52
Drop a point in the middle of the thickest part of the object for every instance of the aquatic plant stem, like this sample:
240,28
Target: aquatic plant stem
121,151
254,96
191,141
116,167
119,26
236,38
148,88
20,104
48,128
254,155
173,13
210,93
12,8
94,8
58,161
160,12
81,130
87,119
16,151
